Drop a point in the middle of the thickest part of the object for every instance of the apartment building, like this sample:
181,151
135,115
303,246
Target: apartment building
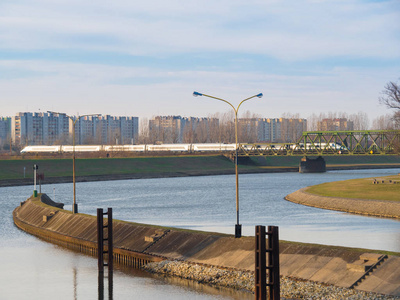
167,129
177,129
337,124
107,129
38,128
5,130
48,129
280,129
200,130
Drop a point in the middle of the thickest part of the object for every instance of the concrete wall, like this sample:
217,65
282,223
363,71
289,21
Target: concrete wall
136,244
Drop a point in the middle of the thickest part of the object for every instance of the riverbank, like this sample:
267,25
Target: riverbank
137,244
19,171
244,280
369,196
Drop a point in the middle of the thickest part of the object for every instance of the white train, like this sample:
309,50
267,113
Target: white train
188,148
131,148
323,146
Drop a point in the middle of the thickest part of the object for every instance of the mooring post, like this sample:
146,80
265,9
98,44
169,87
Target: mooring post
100,240
262,264
110,258
110,243
101,251
273,262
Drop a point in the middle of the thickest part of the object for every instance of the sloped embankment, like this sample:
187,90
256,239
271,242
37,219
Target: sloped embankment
137,244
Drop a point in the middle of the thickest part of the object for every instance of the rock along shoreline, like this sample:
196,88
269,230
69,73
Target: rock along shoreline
291,288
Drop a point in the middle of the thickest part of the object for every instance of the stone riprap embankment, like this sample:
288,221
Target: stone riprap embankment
244,280
137,244
387,209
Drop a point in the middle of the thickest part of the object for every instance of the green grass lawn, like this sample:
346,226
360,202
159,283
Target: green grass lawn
360,188
293,161
14,169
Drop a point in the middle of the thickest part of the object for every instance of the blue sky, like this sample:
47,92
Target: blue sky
145,58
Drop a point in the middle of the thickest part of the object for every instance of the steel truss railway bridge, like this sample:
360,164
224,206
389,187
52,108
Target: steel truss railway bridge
328,143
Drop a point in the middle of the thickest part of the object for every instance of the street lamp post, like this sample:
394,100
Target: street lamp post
74,120
238,227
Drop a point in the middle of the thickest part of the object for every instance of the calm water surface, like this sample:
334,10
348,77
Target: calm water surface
202,203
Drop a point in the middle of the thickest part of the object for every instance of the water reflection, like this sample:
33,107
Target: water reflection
212,292
208,204
75,283
109,286
33,269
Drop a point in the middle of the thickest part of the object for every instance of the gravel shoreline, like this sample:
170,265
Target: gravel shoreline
244,280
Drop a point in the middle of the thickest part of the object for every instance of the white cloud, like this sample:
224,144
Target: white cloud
287,30
84,87
296,43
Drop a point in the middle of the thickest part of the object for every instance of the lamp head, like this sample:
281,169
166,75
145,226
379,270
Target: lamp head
195,94
260,95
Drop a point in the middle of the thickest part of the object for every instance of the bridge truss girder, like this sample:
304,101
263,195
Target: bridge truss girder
316,143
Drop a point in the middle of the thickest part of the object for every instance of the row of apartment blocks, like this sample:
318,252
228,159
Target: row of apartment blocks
47,128
176,129
28,128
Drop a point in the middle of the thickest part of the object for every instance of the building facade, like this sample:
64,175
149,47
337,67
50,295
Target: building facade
167,129
5,130
338,124
177,129
108,130
49,129
272,129
38,128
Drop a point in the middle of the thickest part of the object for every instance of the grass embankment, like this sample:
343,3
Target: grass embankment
361,188
14,169
338,160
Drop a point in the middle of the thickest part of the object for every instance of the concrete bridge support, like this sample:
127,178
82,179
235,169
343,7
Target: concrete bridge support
308,165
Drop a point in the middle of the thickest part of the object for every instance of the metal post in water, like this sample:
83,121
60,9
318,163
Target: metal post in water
100,241
260,264
110,242
101,252
271,264
35,167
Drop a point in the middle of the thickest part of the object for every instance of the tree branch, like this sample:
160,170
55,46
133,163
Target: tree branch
391,95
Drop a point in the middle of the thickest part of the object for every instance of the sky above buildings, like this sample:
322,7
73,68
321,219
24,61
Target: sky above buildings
145,58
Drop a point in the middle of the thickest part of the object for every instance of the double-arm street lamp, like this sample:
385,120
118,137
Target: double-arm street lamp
238,227
74,120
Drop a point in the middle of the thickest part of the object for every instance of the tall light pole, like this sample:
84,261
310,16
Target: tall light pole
74,120
238,227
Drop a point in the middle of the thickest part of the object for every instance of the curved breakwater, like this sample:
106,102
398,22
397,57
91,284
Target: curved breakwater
386,209
138,244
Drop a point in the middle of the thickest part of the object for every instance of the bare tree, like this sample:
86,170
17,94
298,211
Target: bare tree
383,122
312,122
396,120
360,120
214,128
390,96
227,127
188,135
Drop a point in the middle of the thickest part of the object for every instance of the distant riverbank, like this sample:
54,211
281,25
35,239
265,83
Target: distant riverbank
19,171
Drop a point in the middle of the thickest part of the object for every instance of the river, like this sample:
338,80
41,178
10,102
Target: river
34,269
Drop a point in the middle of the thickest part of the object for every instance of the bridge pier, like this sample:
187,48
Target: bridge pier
308,165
